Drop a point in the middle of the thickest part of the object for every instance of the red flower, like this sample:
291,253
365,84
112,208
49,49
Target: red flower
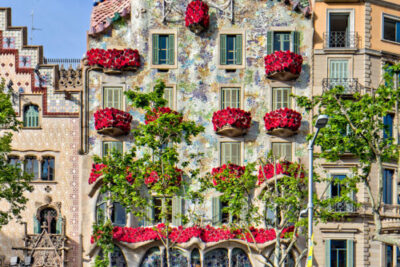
113,58
96,172
157,112
111,117
282,118
267,172
234,170
197,13
231,116
283,61
173,179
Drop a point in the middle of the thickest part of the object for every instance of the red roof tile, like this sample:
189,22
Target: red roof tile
104,12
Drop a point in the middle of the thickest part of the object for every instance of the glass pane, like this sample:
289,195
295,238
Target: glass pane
216,258
195,258
163,49
338,253
230,49
101,206
281,41
47,169
389,29
32,167
48,220
119,214
177,259
14,160
239,258
31,116
389,256
152,258
168,95
117,258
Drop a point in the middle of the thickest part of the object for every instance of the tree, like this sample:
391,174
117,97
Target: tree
13,182
152,168
368,137
273,199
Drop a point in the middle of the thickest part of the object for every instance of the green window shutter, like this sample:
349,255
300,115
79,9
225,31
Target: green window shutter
296,42
239,49
216,210
222,47
36,225
350,253
328,253
171,49
177,211
155,49
270,41
59,225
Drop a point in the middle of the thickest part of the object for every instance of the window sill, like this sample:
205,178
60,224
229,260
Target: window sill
391,42
346,50
31,128
164,67
230,67
43,182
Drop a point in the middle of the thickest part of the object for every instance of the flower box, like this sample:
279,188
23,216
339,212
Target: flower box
157,112
197,18
283,65
174,179
235,171
112,122
283,122
113,61
231,122
282,169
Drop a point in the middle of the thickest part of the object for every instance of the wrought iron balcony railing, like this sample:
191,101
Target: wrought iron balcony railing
341,40
350,85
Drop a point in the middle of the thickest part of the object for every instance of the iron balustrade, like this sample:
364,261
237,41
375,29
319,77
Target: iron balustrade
66,62
340,40
350,85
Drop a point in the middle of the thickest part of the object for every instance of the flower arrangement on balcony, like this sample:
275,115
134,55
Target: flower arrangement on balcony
283,65
96,172
235,171
231,122
283,122
181,235
267,171
197,18
174,178
157,112
113,122
113,60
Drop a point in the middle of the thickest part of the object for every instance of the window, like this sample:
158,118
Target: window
283,41
231,49
14,160
31,166
239,258
388,186
388,123
339,253
112,97
158,206
117,258
282,150
118,213
389,256
231,153
216,258
218,214
230,97
339,35
155,258
339,73
109,147
31,116
163,49
47,170
336,190
174,208
48,221
195,260
391,29
169,96
280,98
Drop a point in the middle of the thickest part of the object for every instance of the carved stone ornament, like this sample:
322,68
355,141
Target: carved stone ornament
70,78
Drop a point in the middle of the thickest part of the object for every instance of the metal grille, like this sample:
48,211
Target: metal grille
340,40
350,85
66,62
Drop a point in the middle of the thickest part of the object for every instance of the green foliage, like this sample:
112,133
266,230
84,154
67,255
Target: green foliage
13,182
102,235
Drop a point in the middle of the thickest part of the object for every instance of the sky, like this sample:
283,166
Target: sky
63,24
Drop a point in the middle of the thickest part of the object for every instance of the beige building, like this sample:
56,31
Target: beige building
353,40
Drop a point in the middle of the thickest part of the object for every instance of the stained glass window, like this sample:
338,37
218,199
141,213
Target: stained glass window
177,259
195,258
117,258
216,258
152,258
239,258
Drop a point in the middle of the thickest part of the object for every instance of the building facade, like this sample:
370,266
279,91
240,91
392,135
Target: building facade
353,41
221,66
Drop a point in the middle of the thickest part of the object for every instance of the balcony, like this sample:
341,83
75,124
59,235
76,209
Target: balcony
340,40
351,86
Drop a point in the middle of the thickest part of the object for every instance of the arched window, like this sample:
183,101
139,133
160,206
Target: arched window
31,166
117,258
118,215
177,259
48,220
13,160
47,171
152,258
31,116
239,258
216,258
195,260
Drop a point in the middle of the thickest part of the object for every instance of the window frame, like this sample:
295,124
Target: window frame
232,32
173,89
281,142
392,188
38,116
120,86
231,86
41,169
34,179
351,12
350,251
163,32
103,154
104,202
289,88
391,17
241,147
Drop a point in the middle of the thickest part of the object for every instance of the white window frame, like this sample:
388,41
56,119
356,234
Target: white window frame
344,10
241,154
389,16
122,86
283,142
